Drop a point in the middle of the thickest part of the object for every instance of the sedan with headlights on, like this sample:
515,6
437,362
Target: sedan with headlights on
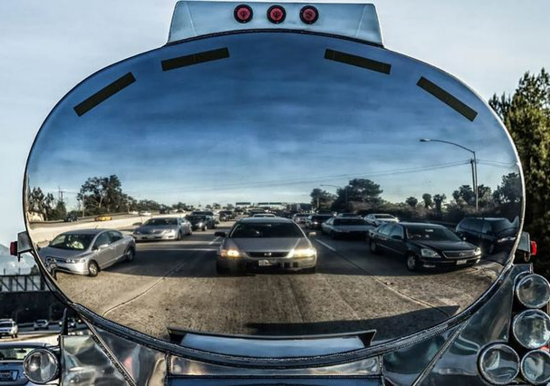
265,242
87,251
340,227
424,245
163,228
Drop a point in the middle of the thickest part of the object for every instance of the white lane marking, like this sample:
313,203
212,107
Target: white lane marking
326,245
214,241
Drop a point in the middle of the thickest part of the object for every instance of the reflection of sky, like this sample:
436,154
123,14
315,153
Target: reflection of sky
269,124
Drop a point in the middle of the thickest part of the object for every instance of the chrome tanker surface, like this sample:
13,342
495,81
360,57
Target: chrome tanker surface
271,198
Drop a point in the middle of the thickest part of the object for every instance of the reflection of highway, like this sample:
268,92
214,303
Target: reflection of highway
84,220
175,284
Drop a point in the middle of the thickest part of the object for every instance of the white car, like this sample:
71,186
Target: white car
40,324
377,219
144,213
8,327
264,215
133,212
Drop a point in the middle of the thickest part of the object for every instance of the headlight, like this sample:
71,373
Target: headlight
499,364
230,253
533,291
535,367
137,232
305,252
531,329
429,253
477,251
200,224
41,366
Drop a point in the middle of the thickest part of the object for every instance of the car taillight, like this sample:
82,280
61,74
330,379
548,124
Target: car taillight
243,13
276,14
534,248
309,14
13,248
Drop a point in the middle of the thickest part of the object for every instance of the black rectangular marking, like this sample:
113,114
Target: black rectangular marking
358,61
445,97
104,94
189,60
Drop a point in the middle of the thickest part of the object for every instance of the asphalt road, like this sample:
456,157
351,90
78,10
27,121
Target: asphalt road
175,284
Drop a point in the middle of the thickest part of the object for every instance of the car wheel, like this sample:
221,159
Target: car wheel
333,235
412,262
93,269
180,235
204,228
220,270
190,232
374,247
130,254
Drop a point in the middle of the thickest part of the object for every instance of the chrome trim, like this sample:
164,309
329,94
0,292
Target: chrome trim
484,352
516,321
523,360
520,281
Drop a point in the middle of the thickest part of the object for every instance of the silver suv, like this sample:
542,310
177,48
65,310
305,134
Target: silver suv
8,327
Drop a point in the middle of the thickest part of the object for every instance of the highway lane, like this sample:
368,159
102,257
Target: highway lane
175,284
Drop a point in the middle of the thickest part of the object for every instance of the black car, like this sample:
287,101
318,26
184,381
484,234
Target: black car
314,221
491,234
424,245
71,217
201,222
226,215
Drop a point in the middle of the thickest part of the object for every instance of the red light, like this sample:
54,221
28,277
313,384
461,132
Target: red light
243,13
534,248
309,14
13,248
276,14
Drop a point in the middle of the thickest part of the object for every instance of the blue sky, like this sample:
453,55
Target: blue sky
48,47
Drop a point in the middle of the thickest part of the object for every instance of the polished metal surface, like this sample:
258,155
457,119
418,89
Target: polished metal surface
195,18
490,324
273,118
83,362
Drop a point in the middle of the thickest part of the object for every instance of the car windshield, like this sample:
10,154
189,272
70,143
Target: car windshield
73,242
502,225
431,233
161,221
196,218
265,230
15,353
6,324
320,218
383,216
349,221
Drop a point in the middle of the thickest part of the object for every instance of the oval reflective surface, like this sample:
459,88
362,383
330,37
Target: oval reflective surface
273,184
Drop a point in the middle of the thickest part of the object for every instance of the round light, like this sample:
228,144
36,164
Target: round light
499,364
276,14
535,367
531,329
41,366
309,14
533,291
243,13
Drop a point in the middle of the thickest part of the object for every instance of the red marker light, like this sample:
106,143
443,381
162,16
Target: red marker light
243,13
309,14
13,248
534,248
276,14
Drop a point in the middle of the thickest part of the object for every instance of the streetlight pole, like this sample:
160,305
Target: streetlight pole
473,163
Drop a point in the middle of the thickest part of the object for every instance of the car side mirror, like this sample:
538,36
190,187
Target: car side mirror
312,234
101,247
220,234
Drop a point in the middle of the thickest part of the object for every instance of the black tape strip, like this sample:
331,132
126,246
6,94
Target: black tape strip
451,101
189,60
358,61
104,94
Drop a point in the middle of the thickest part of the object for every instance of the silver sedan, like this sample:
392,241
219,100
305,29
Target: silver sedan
87,251
163,228
266,242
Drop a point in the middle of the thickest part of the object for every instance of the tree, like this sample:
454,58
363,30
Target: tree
509,191
428,202
526,115
103,195
438,200
321,199
464,195
412,202
363,190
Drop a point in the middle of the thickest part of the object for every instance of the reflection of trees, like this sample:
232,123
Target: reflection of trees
412,202
428,202
103,195
360,191
321,199
45,205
